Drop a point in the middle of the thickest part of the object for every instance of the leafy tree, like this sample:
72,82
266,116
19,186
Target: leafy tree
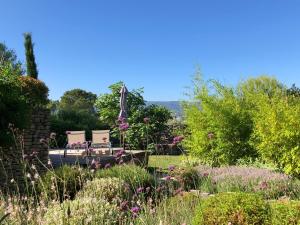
153,131
108,107
30,58
220,119
294,91
8,56
75,111
78,99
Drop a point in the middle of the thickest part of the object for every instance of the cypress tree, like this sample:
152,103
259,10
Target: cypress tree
30,59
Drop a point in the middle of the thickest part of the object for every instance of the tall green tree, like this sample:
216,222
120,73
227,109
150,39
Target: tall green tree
30,59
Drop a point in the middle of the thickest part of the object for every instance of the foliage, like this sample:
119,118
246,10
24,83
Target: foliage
285,212
257,119
177,210
269,184
30,59
78,100
13,104
220,124
63,121
75,111
108,107
139,134
63,183
82,211
8,56
110,188
186,176
276,133
232,208
133,175
35,91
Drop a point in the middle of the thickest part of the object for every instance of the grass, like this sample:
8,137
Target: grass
164,161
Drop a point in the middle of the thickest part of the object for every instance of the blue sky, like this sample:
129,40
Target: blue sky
155,44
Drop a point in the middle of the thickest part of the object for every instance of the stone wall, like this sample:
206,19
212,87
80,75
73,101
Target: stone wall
29,150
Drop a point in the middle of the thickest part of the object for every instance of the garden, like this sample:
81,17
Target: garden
237,154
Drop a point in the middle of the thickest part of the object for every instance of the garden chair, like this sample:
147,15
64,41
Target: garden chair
76,140
101,139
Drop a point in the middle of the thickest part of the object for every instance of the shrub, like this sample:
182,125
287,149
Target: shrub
187,177
285,212
110,189
232,208
177,210
63,183
82,211
35,91
248,179
133,175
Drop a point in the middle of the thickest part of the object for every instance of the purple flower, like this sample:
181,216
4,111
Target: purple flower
107,165
171,168
124,126
168,177
146,120
140,190
124,206
121,120
177,139
135,209
121,161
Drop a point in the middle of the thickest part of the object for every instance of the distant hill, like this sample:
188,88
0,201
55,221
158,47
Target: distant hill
174,106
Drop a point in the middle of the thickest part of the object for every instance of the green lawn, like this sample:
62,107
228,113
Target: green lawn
164,161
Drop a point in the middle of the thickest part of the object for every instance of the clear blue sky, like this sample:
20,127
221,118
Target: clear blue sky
155,44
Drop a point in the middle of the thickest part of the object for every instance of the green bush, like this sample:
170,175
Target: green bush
187,177
177,210
133,175
285,212
82,211
233,208
110,189
63,183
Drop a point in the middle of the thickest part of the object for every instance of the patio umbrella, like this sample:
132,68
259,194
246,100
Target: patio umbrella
123,92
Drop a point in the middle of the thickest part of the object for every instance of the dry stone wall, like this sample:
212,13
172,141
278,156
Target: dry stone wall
30,149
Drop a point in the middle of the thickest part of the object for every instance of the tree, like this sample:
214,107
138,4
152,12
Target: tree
75,111
221,119
107,105
79,100
152,131
8,56
294,91
30,58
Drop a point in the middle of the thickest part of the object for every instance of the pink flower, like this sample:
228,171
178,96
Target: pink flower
124,126
146,120
135,209
107,165
140,190
171,168
177,139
